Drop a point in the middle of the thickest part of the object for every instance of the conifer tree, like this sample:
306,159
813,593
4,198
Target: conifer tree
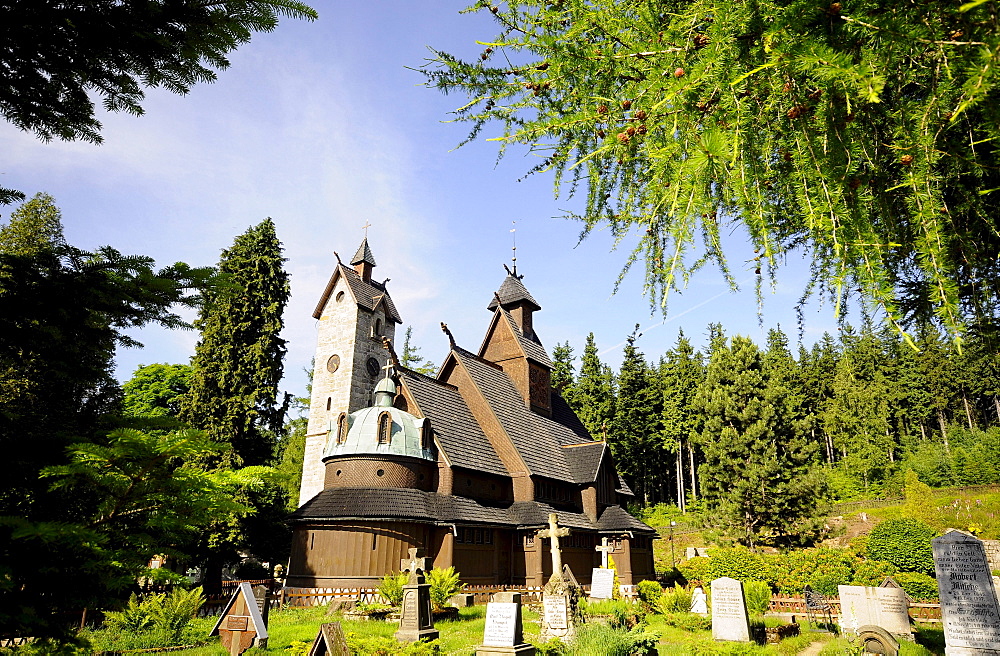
411,358
857,418
839,129
632,435
563,370
238,361
594,393
757,478
681,375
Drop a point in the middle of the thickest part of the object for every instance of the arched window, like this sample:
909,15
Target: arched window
425,434
342,427
377,327
384,428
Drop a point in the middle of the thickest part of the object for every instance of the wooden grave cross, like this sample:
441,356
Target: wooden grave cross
605,549
553,532
416,565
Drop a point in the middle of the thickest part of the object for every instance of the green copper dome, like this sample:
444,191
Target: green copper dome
402,434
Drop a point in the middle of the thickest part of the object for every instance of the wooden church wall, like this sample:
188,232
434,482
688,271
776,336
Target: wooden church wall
352,554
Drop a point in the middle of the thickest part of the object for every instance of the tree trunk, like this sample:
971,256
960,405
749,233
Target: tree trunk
694,475
679,467
968,412
923,433
996,406
944,431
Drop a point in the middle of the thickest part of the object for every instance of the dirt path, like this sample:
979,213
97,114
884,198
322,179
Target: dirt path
813,649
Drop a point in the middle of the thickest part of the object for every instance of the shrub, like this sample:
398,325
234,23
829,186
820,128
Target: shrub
739,563
919,586
157,620
649,594
906,543
873,572
696,569
675,600
758,596
391,588
445,584
822,569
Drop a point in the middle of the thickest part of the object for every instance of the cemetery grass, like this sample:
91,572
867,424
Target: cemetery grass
460,636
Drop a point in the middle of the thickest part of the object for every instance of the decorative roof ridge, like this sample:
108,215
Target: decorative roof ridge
591,443
462,351
429,378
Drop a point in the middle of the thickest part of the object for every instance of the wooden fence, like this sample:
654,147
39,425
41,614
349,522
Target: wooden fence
303,597
796,605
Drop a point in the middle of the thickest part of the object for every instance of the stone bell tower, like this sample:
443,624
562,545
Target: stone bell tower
354,313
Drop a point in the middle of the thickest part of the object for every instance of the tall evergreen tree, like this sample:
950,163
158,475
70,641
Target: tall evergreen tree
682,372
757,478
238,361
411,358
633,432
563,370
857,418
594,393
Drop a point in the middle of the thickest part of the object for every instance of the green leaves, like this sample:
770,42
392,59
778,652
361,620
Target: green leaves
861,137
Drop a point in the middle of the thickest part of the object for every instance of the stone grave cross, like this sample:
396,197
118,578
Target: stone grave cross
605,549
415,565
553,532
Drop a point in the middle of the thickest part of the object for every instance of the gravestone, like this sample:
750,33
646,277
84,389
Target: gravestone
330,641
885,607
504,632
416,621
263,597
969,609
602,583
699,601
241,625
729,611
560,597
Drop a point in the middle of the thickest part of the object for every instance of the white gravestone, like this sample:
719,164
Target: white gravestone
501,625
504,635
885,607
602,583
969,608
699,601
729,611
556,611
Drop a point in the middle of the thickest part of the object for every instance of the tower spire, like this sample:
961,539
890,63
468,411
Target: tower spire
513,238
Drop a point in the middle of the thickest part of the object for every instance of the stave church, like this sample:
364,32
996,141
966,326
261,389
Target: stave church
466,465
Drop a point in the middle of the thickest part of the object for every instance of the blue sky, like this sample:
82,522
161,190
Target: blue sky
323,128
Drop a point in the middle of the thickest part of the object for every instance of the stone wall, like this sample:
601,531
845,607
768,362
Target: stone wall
992,548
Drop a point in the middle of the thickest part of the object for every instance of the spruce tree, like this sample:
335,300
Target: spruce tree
632,435
757,478
594,393
238,361
563,371
411,358
681,375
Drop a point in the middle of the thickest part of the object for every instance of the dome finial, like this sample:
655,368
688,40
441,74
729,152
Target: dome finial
385,391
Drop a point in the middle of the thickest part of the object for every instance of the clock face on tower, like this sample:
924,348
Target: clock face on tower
372,365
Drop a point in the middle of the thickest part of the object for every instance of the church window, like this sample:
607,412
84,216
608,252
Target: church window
380,472
340,296
529,540
339,472
343,426
488,535
374,540
384,428
312,541
333,363
329,403
377,328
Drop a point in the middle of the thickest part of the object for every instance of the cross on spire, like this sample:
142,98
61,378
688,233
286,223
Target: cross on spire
513,238
553,532
365,228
